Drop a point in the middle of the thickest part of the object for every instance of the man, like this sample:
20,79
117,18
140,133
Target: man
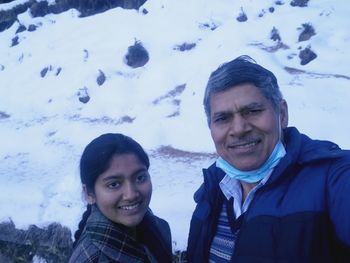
274,194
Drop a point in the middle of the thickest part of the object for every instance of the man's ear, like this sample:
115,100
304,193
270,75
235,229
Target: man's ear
283,114
89,196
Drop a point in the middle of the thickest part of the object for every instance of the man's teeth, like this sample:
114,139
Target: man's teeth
130,207
246,145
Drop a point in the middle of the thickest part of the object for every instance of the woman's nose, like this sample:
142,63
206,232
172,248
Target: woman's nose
130,191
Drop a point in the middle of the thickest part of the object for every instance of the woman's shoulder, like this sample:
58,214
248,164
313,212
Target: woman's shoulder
151,220
157,236
84,252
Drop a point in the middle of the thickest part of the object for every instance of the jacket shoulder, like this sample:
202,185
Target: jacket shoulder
212,176
304,149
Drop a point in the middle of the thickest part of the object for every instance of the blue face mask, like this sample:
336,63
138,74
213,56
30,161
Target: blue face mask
253,176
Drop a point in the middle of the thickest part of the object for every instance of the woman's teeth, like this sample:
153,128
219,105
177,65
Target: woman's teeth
129,207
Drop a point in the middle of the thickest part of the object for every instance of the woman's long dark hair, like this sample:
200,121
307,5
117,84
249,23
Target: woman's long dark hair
96,159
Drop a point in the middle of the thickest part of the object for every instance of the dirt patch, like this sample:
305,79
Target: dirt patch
295,71
165,152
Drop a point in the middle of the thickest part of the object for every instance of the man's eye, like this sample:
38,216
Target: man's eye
220,119
251,112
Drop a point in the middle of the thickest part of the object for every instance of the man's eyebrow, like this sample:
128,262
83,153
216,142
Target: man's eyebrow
253,105
221,113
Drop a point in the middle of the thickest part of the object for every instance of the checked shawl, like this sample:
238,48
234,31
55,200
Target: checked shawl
104,241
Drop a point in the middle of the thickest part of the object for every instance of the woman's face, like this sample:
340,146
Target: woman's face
123,192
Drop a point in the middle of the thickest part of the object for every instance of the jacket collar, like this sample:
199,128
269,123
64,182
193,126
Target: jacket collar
301,149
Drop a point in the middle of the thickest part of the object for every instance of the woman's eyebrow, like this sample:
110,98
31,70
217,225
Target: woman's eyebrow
118,176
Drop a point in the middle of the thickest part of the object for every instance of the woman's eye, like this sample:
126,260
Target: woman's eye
142,177
113,185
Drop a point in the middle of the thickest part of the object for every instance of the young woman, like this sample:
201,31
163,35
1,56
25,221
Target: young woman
118,225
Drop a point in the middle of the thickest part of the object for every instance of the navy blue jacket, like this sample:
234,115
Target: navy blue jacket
302,213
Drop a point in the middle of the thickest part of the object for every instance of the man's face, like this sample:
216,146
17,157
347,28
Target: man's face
244,126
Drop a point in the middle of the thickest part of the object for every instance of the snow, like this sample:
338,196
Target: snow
42,140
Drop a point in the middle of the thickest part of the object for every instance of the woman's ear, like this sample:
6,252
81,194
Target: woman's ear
89,196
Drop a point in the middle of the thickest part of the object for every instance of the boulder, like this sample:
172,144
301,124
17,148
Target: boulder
137,55
306,55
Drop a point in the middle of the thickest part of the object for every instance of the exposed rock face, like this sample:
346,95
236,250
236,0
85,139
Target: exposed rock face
85,7
52,244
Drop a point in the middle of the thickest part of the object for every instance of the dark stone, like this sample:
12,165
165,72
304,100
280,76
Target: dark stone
307,33
21,28
137,55
2,67
185,46
44,71
242,17
279,3
211,26
84,99
101,78
86,54
58,71
275,36
83,95
300,3
306,55
14,41
4,115
32,28
271,9
144,11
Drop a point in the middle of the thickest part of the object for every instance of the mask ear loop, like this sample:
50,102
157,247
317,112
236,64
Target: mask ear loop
279,125
279,128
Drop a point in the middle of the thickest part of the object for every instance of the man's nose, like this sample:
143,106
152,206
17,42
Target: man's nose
239,125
